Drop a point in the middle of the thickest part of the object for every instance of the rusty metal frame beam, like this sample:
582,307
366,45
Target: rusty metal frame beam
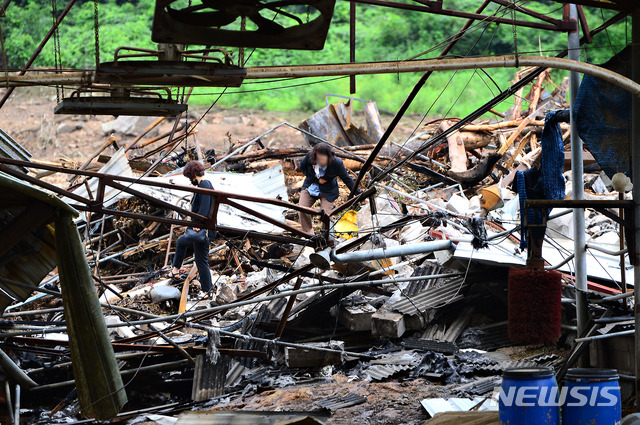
604,207
36,53
559,25
97,205
527,11
409,100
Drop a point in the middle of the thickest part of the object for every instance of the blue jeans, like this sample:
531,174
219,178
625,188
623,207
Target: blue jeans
201,256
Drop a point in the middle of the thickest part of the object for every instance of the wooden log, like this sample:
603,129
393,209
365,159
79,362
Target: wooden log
536,91
514,136
475,140
457,151
100,389
517,104
506,125
478,172
519,150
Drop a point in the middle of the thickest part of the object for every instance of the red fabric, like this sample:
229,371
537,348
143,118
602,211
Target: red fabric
534,306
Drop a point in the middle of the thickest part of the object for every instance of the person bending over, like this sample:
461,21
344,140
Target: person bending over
194,237
321,168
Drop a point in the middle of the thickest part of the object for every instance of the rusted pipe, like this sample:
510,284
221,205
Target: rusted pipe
485,62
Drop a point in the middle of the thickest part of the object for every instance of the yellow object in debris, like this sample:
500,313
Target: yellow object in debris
491,198
347,226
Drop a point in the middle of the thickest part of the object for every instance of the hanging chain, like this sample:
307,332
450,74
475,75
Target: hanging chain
308,12
96,27
57,59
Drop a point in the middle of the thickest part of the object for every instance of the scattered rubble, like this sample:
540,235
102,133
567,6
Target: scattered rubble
279,333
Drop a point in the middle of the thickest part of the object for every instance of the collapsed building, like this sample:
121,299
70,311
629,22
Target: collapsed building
475,247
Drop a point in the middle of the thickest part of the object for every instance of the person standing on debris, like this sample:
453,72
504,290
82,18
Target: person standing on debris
194,237
321,168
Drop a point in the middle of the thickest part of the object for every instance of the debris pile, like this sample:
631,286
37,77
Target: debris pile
412,285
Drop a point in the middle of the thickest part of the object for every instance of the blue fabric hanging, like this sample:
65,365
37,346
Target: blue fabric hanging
552,164
547,182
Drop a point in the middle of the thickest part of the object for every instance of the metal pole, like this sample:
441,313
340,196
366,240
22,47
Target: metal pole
409,100
178,317
635,175
577,177
16,413
352,44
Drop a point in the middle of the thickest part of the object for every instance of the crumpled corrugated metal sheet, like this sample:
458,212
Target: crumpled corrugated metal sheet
381,371
334,123
336,402
269,183
479,386
31,260
9,148
447,293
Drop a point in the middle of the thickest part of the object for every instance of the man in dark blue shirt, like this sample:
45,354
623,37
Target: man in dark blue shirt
195,237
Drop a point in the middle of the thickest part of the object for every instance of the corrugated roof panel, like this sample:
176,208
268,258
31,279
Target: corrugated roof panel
447,293
265,184
9,148
454,404
33,257
382,371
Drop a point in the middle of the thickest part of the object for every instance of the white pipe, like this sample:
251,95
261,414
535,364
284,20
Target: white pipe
619,296
394,251
482,62
562,263
16,414
607,251
605,336
14,372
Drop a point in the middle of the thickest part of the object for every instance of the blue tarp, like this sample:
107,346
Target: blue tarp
602,112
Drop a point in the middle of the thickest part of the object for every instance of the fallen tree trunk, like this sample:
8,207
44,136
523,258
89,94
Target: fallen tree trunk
477,173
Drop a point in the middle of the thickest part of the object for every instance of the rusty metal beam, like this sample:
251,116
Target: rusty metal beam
352,44
409,100
35,54
220,195
527,11
96,206
287,310
559,26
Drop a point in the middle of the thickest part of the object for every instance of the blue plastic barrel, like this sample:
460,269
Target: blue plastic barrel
592,397
529,396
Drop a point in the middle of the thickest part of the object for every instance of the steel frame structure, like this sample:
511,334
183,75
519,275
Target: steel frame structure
436,7
95,202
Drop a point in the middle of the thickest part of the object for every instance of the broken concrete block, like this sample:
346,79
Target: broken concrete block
303,357
129,125
357,317
160,294
458,204
414,322
69,128
475,205
388,324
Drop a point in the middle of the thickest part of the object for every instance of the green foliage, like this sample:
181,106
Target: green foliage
382,34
